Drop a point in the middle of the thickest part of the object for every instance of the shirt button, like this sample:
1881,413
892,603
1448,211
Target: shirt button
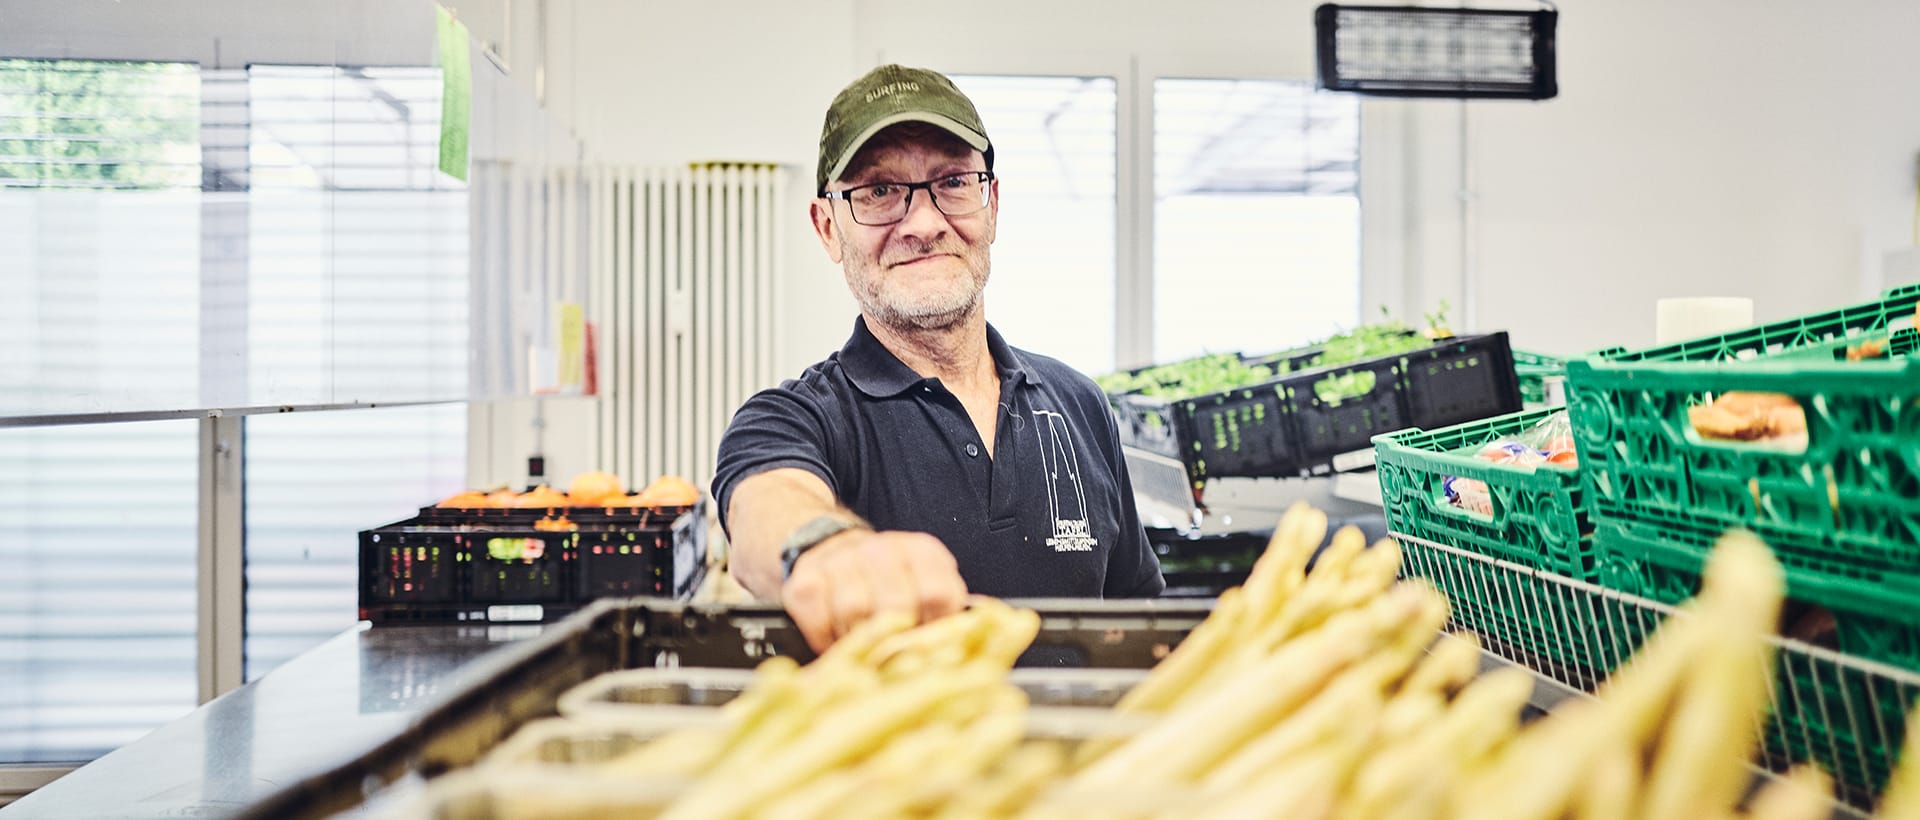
972,450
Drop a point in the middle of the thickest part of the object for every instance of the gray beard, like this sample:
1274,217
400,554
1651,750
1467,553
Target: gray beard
943,320
874,307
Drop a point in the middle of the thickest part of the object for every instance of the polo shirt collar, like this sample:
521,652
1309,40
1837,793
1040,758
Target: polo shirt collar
878,373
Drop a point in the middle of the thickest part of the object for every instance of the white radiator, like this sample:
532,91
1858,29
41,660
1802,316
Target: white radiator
683,287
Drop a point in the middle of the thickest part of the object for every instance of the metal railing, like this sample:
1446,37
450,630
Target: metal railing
1845,713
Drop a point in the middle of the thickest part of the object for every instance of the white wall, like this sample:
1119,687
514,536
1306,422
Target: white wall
734,80
1760,148
1763,148
663,84
1734,147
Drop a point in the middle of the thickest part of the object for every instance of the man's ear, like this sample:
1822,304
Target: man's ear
993,208
825,227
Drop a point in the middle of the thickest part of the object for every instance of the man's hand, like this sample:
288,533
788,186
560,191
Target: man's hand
849,577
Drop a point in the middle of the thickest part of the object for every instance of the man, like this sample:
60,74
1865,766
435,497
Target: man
926,458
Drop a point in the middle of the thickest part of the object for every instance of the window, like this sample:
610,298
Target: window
173,238
357,271
98,602
314,481
1053,260
100,267
99,236
358,290
1256,215
1255,203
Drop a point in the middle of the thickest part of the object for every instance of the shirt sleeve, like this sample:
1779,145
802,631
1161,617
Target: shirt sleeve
776,428
1133,571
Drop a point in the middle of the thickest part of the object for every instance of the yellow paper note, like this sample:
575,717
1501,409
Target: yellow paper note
572,324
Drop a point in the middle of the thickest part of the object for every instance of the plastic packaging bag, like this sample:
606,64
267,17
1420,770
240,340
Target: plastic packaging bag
1549,442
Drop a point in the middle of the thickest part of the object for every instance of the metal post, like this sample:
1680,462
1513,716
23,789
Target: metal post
222,570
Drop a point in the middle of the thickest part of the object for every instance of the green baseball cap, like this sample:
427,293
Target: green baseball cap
889,95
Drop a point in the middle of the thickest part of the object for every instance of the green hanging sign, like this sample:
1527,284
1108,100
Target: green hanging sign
456,94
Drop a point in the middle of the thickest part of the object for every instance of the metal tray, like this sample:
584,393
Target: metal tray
508,793
688,693
524,682
556,767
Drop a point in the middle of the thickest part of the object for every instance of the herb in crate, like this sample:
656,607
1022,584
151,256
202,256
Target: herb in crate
1225,371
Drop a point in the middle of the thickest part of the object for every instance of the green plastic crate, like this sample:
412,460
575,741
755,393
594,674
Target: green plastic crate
1569,630
1847,507
1849,722
1860,760
1538,521
1534,369
1662,561
1539,513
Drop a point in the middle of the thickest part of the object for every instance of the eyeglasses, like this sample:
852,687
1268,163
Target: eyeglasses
884,203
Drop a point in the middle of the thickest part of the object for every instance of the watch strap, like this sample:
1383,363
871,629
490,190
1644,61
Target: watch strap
809,535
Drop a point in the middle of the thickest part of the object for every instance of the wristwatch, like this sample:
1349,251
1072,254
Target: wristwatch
809,535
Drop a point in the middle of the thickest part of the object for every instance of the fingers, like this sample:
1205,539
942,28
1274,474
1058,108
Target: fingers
805,597
936,577
852,588
893,586
836,586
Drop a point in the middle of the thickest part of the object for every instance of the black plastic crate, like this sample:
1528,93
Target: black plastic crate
1301,358
1146,422
1150,422
487,516
1205,565
645,559
499,567
524,681
509,565
1211,552
1286,427
402,567
1328,428
429,572
1453,381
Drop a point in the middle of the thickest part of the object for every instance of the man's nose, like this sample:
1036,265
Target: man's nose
923,218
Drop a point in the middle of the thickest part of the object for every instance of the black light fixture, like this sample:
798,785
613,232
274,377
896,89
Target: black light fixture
1416,51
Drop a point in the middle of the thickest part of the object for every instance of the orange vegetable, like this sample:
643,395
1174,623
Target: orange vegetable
468,500
1749,416
1870,349
670,491
542,496
593,488
561,524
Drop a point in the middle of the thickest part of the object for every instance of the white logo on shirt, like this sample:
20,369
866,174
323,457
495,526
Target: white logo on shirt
1066,496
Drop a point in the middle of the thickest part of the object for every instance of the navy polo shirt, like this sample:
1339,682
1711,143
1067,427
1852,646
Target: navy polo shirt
1049,514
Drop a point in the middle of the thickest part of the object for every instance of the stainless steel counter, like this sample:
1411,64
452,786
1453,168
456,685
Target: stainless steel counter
316,711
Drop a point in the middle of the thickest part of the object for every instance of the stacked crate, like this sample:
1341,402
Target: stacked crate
1287,427
1842,511
501,564
1537,519
1650,497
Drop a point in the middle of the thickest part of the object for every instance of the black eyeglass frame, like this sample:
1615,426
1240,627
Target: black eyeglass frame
980,177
